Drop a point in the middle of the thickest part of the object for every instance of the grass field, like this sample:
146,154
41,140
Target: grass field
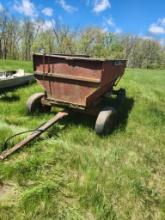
71,173
14,65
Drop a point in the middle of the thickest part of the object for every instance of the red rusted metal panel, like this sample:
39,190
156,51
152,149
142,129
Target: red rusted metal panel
79,81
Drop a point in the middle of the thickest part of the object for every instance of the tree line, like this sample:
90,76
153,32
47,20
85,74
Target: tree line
20,39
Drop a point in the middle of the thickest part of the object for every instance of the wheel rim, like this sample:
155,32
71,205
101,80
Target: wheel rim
109,124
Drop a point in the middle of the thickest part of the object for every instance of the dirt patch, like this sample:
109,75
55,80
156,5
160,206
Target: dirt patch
7,192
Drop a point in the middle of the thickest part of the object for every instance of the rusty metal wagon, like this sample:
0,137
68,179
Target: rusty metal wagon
78,83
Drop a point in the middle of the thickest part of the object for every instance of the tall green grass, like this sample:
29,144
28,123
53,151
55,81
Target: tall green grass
71,173
14,65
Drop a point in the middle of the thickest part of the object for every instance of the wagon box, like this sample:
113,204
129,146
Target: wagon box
76,80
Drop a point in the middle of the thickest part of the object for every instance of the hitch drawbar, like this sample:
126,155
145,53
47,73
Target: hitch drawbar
33,135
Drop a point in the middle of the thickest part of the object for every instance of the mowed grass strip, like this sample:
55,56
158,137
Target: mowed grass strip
14,65
71,173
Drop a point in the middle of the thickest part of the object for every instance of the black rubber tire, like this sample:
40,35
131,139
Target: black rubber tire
34,103
105,121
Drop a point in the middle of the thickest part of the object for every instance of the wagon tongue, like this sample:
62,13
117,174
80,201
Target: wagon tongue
34,134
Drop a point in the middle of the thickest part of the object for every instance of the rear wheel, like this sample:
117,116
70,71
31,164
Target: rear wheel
34,103
105,121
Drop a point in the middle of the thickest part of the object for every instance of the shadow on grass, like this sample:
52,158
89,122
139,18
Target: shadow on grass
123,110
9,98
7,95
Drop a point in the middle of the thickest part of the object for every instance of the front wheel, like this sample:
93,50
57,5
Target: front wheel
34,103
105,121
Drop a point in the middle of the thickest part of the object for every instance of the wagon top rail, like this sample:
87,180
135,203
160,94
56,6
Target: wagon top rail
79,57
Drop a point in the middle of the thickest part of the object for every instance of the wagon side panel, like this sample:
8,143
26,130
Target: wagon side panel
67,81
111,72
